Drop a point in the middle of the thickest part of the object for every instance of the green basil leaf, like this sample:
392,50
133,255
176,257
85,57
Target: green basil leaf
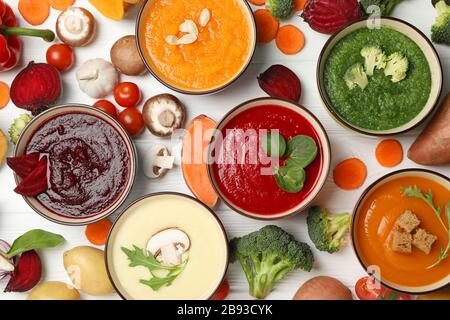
301,150
33,240
274,144
290,178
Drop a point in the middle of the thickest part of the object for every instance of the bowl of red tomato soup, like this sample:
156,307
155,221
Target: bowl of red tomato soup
269,158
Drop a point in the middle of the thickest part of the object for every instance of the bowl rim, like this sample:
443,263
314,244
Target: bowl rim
196,92
165,193
339,119
128,141
326,166
355,214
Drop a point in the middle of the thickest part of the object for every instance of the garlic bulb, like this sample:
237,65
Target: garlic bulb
97,78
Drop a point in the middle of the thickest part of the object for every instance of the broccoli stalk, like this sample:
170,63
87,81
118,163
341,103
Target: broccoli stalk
396,66
17,126
374,58
440,31
280,9
327,231
355,76
267,256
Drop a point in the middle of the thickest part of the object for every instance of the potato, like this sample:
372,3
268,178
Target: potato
125,57
323,288
54,290
87,271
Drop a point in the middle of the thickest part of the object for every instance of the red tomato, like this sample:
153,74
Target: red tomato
222,292
369,289
127,94
60,56
131,119
106,106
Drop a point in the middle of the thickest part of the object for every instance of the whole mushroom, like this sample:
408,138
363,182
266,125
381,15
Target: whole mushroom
163,114
75,26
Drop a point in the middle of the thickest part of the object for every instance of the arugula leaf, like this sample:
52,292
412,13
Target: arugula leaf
414,192
138,257
156,283
33,240
290,178
444,253
301,150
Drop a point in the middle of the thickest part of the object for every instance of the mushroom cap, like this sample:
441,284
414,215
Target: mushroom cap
167,237
81,19
163,114
125,57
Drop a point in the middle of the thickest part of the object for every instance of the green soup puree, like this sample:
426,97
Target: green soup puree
382,105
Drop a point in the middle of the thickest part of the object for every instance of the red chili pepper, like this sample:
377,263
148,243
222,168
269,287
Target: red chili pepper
10,46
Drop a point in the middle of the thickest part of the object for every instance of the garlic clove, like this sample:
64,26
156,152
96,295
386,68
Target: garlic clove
205,16
187,39
189,26
172,40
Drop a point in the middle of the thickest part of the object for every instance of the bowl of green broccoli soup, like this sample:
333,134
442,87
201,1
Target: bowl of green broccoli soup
379,79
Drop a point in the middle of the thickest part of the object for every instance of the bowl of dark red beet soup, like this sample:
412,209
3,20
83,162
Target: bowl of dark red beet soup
74,164
269,158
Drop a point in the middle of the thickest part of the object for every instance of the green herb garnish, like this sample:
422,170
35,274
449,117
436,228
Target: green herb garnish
301,151
137,257
274,144
443,253
33,240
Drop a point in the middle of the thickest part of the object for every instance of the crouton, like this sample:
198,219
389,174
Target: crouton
423,240
408,221
401,241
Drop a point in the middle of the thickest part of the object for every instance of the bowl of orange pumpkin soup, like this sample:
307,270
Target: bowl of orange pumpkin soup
196,46
396,232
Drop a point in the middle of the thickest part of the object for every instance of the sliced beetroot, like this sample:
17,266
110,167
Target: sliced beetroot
36,182
280,82
24,165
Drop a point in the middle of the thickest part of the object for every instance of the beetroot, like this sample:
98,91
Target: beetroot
23,165
280,82
27,273
36,182
328,16
36,87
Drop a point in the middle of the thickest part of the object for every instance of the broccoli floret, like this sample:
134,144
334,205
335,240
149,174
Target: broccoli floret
355,76
17,126
385,6
396,66
280,9
267,255
440,31
374,58
327,231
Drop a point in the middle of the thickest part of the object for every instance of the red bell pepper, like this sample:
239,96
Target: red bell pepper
10,46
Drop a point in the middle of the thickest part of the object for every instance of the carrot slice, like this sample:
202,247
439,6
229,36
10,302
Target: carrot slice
290,39
299,5
193,165
4,94
61,4
35,12
257,2
266,26
350,174
389,153
3,146
97,233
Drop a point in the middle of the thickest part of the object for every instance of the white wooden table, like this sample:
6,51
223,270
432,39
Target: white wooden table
16,217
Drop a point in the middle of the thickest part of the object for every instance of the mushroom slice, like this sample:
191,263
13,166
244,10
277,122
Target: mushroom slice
163,114
75,26
168,246
157,161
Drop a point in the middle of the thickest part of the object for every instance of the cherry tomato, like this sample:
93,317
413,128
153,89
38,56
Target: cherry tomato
106,106
222,292
131,119
369,289
60,56
127,94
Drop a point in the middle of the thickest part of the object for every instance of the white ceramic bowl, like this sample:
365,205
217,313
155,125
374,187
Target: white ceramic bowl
424,44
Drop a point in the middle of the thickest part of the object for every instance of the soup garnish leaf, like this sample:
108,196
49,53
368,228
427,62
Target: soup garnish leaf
274,144
138,257
290,178
443,253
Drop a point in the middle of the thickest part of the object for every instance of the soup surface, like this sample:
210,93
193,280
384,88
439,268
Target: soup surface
376,219
382,105
207,260
243,182
219,54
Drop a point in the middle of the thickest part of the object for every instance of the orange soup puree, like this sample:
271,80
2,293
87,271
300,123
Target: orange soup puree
219,54
376,219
